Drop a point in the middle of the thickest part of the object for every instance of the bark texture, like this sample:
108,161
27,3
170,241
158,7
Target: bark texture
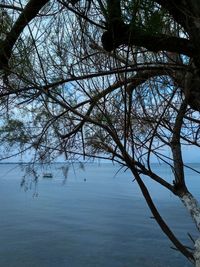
197,253
193,207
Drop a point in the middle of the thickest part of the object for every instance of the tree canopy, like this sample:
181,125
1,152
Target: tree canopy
108,79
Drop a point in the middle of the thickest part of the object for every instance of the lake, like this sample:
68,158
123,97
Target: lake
93,217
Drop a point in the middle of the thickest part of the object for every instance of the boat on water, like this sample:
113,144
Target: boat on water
47,175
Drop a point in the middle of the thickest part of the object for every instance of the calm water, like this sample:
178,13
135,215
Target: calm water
102,221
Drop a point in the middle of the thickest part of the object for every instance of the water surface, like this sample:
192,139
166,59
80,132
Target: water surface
102,221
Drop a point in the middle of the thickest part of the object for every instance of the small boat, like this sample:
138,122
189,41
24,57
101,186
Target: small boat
47,175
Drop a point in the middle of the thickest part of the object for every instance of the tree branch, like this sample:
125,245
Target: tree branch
129,35
29,12
11,7
158,217
180,186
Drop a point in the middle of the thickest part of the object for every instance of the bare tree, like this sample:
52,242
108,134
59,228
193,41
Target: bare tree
111,79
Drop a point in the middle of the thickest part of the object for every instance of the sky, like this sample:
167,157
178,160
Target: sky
191,154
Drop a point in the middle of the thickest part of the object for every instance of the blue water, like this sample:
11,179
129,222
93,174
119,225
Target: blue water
102,221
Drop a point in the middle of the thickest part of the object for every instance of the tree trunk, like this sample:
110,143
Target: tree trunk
197,253
193,207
